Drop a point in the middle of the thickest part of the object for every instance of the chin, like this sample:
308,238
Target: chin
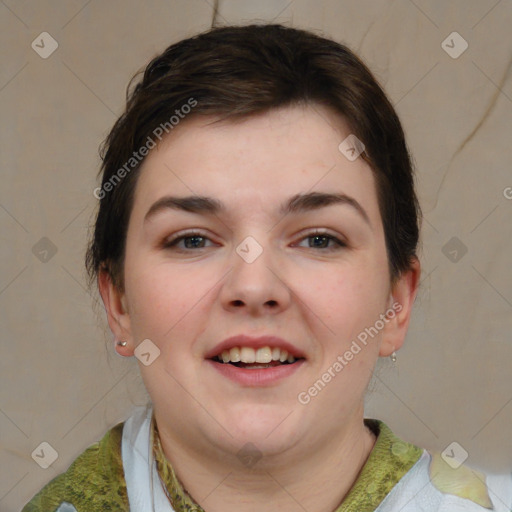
270,427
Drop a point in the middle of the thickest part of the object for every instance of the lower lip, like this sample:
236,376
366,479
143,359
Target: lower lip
256,377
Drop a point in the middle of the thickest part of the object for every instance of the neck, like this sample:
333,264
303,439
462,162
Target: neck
318,482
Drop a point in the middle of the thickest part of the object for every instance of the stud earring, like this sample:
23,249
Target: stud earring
122,343
393,357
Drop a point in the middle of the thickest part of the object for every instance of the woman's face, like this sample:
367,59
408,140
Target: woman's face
255,267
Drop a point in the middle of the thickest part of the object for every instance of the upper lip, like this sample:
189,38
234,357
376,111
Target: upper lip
243,340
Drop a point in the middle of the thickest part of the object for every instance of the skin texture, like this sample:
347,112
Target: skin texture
319,299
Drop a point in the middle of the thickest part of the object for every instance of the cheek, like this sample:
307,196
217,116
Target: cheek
346,299
163,299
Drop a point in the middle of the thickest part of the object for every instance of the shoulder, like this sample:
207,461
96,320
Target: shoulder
94,481
453,478
439,482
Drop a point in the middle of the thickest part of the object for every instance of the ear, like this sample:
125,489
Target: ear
117,313
403,294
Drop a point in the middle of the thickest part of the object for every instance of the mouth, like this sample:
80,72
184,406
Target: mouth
249,361
256,358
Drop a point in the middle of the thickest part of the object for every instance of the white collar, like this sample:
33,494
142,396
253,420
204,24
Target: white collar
145,490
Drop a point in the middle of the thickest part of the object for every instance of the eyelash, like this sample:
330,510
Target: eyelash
172,243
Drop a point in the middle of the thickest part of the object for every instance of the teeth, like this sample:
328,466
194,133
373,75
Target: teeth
261,355
247,355
234,355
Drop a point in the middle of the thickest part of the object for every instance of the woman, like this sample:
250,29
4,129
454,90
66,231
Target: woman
255,249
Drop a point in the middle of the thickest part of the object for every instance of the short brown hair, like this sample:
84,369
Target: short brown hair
239,71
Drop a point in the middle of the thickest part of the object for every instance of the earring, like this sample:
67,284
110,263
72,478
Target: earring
122,343
393,357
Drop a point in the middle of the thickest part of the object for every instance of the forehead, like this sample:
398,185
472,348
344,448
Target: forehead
257,161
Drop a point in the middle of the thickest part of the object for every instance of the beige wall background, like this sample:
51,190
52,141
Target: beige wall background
63,384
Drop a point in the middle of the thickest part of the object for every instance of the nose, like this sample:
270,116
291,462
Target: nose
255,286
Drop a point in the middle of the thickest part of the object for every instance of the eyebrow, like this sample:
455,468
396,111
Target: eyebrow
296,204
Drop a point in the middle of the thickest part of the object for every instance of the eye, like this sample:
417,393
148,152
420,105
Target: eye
192,240
322,239
196,240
